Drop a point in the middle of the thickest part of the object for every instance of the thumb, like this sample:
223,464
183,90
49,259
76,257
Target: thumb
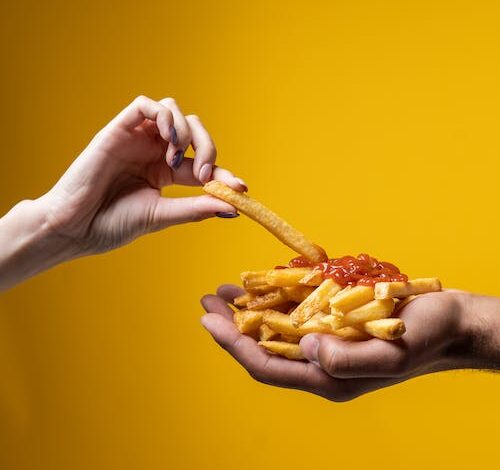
175,211
348,359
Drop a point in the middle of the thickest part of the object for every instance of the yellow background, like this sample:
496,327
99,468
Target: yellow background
371,125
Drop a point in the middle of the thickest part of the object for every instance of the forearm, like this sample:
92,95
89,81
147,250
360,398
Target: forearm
27,245
482,324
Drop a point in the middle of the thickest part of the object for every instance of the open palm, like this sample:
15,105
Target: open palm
341,370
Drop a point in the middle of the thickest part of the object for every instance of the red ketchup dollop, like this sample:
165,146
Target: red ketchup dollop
361,270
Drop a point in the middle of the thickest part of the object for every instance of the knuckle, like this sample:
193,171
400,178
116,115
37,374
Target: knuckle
168,101
140,99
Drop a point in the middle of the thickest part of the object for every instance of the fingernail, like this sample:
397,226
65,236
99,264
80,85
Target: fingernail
177,160
205,173
240,181
310,345
227,215
173,135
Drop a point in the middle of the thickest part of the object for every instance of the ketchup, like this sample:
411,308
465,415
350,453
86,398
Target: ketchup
362,270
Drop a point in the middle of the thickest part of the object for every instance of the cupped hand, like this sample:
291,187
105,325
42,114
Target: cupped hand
111,193
437,339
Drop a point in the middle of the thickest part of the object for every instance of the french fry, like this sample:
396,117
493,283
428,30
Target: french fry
266,333
242,300
253,278
351,333
268,219
351,297
386,328
374,310
261,289
270,300
282,323
290,339
386,290
247,321
288,350
313,278
298,293
315,302
286,277
334,321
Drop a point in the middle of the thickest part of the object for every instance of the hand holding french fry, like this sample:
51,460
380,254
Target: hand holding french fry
360,322
444,330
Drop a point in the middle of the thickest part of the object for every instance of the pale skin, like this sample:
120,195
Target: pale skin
445,331
110,194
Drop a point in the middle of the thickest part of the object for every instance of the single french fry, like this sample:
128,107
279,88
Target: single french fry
298,293
385,290
351,297
282,323
242,300
404,302
334,321
286,277
268,219
315,325
253,278
374,310
269,300
351,333
315,302
313,278
290,339
386,328
261,289
247,321
266,333
288,350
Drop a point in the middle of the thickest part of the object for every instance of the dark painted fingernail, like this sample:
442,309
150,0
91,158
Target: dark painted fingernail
227,215
177,160
243,184
173,135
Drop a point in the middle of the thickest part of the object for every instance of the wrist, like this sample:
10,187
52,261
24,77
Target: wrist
480,326
29,246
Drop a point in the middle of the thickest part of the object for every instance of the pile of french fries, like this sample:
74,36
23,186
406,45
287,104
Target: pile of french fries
280,306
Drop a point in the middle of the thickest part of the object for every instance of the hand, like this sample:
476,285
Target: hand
445,330
111,193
